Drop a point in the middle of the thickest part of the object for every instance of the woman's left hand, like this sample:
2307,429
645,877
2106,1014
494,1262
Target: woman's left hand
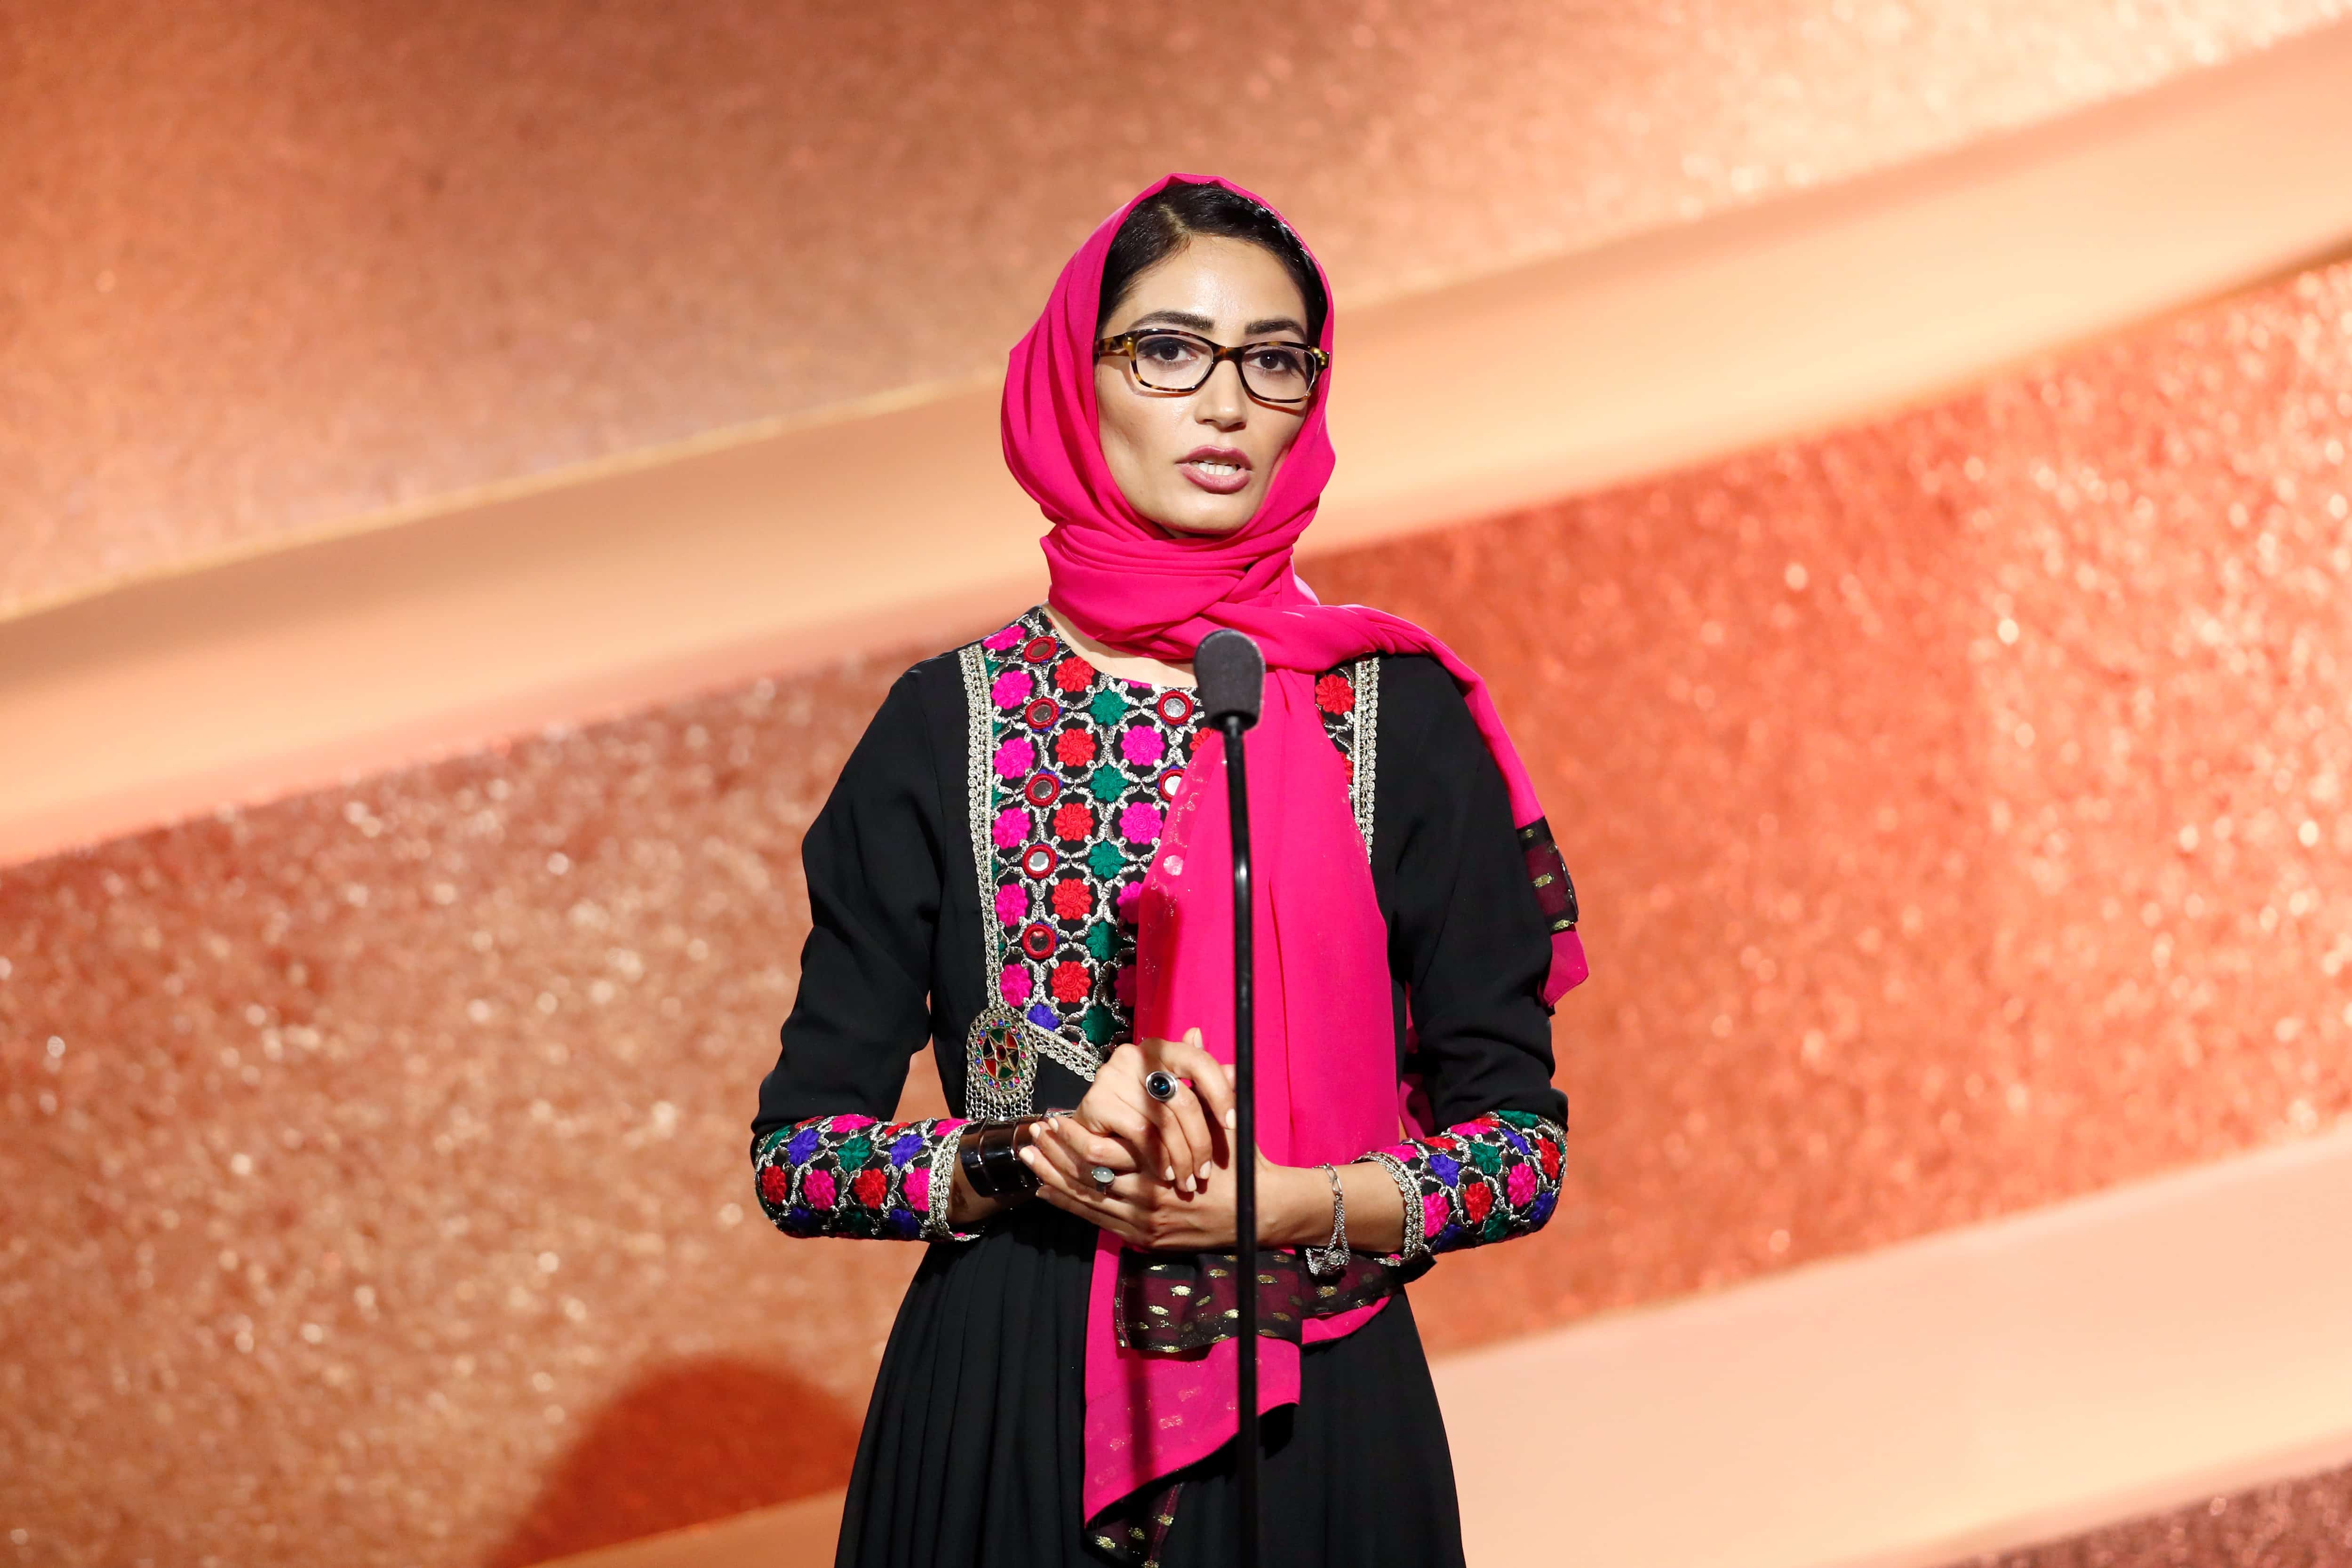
1143,1210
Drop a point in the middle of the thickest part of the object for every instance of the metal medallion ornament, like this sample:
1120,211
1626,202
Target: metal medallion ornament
999,1066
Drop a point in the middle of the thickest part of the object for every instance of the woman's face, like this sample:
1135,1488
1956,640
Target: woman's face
1199,462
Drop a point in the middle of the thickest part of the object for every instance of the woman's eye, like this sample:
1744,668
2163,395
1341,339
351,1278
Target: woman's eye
1166,350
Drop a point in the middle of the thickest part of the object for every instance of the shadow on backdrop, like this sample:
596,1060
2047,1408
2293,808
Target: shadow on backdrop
685,1444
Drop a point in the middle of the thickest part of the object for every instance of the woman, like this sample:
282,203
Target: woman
1000,871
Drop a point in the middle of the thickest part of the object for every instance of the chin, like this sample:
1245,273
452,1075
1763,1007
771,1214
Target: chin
1223,518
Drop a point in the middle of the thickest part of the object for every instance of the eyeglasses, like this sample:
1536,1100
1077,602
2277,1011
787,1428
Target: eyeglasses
1171,361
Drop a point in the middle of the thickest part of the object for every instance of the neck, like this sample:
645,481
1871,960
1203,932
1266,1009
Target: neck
1124,666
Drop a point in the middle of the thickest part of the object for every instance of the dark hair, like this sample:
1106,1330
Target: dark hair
1160,226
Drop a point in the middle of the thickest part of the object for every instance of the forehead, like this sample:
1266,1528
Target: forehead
1229,282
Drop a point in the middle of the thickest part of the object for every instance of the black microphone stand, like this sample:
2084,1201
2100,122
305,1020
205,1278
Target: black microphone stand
1232,675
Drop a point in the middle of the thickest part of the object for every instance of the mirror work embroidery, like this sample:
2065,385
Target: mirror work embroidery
1070,774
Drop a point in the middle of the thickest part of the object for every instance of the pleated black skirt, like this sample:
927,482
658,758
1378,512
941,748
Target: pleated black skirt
971,1454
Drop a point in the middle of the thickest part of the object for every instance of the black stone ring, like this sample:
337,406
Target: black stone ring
1161,1085
1103,1175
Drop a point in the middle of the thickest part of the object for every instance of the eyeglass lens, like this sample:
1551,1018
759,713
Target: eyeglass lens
1171,361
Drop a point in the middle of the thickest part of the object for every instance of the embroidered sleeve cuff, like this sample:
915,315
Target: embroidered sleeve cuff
852,1175
1483,1180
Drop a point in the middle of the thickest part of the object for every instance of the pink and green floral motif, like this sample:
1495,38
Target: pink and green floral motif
1082,768
1079,774
850,1175
1483,1180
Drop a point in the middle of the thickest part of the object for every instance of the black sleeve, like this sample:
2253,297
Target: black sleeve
1465,935
873,863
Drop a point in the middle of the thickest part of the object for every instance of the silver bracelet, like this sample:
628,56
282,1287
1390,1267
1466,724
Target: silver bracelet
1331,1257
1415,1243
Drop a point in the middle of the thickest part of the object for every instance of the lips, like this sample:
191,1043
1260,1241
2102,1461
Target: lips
1219,469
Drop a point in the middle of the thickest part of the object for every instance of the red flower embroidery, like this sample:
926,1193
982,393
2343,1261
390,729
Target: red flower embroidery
1071,982
1549,1152
1477,1198
776,1186
1072,673
871,1185
1074,821
1335,693
1072,900
1074,747
1441,1143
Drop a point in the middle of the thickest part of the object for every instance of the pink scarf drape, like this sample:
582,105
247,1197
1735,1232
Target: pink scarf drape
1326,1076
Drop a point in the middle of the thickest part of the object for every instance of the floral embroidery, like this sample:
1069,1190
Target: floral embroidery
1478,1181
1081,766
1349,699
1072,775
851,1175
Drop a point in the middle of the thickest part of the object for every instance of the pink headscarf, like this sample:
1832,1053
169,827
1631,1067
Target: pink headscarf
1326,1059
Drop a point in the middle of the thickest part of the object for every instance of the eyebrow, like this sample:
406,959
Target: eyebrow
1202,325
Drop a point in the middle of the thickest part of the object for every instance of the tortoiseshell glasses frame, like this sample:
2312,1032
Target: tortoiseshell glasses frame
1304,361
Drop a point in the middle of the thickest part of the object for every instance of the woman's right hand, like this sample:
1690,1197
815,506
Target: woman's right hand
1176,1140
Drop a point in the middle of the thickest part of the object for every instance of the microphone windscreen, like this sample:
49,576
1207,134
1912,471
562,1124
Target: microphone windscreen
1232,673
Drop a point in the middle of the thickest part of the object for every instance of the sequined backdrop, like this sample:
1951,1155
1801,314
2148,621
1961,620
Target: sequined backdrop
269,265
2302,1523
1958,804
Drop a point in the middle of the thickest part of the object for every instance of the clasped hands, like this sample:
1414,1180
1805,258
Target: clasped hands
1173,1186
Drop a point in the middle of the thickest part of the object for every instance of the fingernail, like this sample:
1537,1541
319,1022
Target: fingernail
1204,1171
1028,1156
1167,1173
1229,1120
1188,1184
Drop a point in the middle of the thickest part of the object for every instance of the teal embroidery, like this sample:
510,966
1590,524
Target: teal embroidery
1071,775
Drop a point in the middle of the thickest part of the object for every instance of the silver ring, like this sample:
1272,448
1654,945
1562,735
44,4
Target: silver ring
1161,1085
1103,1175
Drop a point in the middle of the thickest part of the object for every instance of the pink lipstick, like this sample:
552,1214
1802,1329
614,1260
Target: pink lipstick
1220,469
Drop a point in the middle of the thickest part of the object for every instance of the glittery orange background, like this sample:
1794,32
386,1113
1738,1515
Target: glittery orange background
269,264
2304,1523
1958,803
1961,803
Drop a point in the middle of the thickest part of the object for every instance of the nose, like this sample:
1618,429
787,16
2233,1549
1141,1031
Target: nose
1223,401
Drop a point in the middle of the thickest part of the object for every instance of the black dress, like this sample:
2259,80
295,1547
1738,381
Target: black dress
982,767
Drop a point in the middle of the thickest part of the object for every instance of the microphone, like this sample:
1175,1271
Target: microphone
1232,675
1231,671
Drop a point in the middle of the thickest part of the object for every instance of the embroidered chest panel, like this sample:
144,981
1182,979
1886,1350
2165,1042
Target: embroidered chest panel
1070,773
